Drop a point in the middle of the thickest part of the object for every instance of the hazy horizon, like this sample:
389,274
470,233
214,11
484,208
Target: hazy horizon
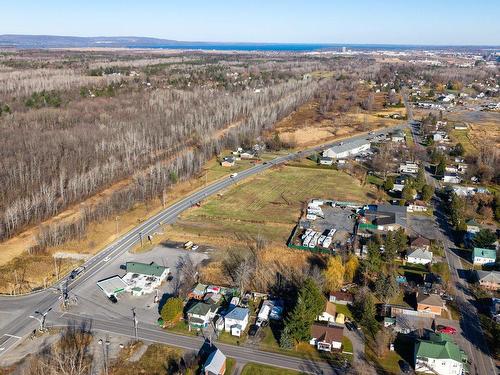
425,23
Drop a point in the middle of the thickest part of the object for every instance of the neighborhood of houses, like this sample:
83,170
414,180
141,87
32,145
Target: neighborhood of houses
333,227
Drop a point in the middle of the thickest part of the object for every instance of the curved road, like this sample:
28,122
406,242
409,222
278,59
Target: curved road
15,323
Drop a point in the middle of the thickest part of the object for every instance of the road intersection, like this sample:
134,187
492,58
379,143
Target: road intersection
18,325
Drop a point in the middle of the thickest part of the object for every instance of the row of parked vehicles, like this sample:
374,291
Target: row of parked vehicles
311,238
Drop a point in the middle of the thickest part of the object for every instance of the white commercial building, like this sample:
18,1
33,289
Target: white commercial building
345,150
143,278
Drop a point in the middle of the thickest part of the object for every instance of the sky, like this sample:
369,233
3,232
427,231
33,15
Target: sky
427,22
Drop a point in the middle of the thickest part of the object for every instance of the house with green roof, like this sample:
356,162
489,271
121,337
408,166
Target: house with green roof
439,355
201,313
482,256
472,226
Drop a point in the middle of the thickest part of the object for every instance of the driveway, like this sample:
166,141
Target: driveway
358,350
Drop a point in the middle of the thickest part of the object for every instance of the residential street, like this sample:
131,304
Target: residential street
481,362
153,333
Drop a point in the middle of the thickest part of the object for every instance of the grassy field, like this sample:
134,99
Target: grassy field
152,362
462,136
346,345
409,137
389,364
268,204
257,369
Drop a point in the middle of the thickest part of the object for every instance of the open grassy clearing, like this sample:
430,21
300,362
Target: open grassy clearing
268,204
257,369
155,361
462,136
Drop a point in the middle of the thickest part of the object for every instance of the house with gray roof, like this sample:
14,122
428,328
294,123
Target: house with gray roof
489,279
350,148
215,363
419,256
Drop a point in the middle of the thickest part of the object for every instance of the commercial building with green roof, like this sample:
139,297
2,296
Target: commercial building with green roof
151,269
439,355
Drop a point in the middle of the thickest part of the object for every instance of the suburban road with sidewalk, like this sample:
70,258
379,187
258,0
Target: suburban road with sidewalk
15,311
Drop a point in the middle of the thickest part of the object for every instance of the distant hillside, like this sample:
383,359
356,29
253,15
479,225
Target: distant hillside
52,41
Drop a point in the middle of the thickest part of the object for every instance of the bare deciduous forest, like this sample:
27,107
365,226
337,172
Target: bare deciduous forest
73,123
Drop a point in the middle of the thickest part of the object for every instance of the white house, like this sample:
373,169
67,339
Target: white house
420,256
345,150
408,168
439,356
451,178
236,321
200,314
398,136
482,256
328,315
326,161
215,363
417,206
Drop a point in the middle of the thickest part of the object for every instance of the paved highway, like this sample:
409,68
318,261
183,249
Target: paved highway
15,323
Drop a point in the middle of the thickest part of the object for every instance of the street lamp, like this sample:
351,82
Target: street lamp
41,320
105,353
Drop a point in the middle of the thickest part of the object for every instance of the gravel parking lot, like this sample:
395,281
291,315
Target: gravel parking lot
91,300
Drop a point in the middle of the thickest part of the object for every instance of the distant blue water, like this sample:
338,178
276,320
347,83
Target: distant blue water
296,47
243,47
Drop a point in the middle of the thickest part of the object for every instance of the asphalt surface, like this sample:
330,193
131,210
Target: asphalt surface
479,356
15,311
152,333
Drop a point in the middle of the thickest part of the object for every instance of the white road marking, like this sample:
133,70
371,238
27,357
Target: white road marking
14,336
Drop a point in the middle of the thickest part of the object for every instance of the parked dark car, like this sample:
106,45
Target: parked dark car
253,330
113,299
405,367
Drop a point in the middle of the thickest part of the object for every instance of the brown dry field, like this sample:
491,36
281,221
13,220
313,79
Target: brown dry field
305,128
483,127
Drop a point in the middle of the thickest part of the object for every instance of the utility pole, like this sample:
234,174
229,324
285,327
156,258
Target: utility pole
116,221
140,237
55,268
135,323
105,354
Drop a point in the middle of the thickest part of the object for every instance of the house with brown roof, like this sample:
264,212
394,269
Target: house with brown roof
326,337
329,312
420,243
431,304
342,298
